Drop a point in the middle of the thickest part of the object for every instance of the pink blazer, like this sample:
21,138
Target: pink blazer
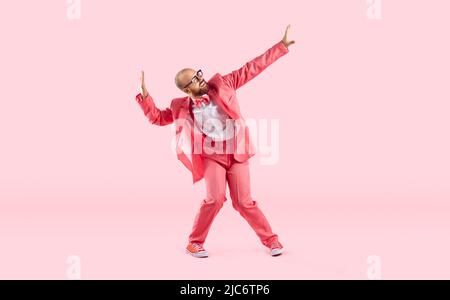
223,90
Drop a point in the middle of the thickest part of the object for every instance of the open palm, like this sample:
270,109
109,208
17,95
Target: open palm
285,40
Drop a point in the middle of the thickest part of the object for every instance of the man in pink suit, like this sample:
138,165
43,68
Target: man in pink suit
213,142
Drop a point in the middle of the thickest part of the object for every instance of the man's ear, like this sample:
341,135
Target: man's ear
186,90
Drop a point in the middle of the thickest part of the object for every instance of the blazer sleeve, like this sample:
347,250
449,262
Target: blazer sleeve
154,115
239,77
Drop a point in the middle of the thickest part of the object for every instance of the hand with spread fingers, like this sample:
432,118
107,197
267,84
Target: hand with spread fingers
143,88
285,39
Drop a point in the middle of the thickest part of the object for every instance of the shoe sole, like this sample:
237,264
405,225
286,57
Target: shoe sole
202,254
276,252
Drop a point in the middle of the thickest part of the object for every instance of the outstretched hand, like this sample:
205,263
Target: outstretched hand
143,88
285,39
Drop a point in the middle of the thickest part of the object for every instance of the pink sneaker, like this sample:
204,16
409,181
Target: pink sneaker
196,250
276,248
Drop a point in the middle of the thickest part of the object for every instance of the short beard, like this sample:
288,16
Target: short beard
204,90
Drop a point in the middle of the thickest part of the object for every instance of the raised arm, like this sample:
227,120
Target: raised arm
250,70
154,115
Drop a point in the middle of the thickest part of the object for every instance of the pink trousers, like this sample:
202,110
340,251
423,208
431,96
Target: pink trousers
220,169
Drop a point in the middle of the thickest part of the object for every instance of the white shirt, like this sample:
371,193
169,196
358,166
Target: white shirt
213,121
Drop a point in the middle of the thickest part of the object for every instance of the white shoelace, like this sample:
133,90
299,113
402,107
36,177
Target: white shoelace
197,246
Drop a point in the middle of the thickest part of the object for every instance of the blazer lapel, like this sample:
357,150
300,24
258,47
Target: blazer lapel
222,102
184,109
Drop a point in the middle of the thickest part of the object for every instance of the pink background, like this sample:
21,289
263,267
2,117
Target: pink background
364,167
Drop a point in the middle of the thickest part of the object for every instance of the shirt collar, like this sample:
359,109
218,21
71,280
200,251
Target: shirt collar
203,96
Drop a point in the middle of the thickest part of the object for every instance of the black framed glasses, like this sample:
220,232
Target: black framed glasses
195,79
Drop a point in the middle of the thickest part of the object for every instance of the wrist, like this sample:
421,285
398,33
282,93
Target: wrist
284,46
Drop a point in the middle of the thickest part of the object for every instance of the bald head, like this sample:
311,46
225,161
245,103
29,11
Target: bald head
183,77
194,89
